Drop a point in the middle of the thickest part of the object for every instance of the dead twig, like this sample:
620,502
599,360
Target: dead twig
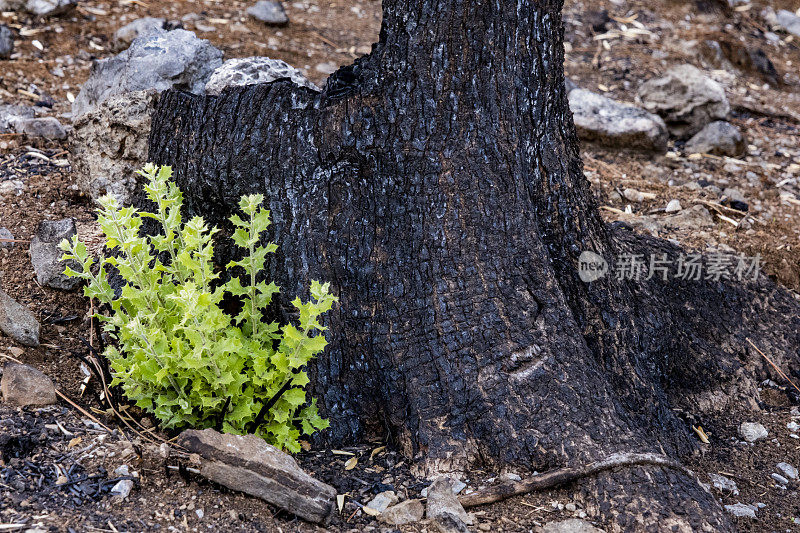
325,40
560,476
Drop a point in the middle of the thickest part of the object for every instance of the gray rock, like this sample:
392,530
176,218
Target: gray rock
695,217
17,322
142,27
718,138
610,123
268,12
12,112
6,42
24,385
252,71
686,98
122,489
248,464
47,8
109,144
752,431
175,59
444,508
455,484
741,510
45,127
779,479
6,234
573,525
46,255
383,500
407,512
673,206
788,21
788,470
724,484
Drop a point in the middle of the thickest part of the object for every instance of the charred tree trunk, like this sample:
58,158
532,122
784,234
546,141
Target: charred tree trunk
436,183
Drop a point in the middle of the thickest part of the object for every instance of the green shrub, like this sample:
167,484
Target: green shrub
178,355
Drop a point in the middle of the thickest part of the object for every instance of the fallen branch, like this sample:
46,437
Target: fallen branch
561,476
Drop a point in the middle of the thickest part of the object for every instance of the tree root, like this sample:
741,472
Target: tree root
561,476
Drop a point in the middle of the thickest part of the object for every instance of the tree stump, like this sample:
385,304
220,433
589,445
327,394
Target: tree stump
437,184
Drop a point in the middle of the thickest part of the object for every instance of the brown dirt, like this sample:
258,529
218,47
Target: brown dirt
337,32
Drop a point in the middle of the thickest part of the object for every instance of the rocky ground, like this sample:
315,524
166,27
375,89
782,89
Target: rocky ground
690,117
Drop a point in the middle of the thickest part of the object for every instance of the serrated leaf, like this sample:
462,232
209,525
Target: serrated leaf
176,354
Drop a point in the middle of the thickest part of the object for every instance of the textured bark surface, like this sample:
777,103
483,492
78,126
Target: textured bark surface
436,183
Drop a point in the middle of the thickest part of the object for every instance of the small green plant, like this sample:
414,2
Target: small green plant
178,355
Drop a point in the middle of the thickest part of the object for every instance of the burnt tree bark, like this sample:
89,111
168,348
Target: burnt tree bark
437,184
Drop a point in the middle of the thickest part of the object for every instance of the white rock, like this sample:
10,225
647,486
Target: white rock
788,21
724,484
607,122
122,489
49,7
673,206
252,71
788,470
268,12
779,479
383,501
741,510
752,431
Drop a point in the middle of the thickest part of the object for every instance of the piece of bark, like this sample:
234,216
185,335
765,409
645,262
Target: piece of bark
250,465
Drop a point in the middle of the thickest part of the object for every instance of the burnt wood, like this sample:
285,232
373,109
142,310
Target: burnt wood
437,184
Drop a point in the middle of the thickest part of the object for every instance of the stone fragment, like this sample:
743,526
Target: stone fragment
248,464
23,385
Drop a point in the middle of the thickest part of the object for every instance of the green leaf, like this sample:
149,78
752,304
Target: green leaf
176,354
